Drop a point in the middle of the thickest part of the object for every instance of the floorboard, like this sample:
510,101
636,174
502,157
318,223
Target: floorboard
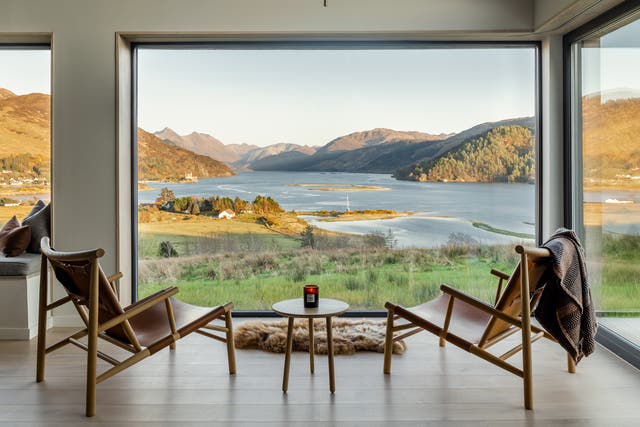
428,386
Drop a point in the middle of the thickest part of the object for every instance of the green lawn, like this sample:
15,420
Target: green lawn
254,270
364,278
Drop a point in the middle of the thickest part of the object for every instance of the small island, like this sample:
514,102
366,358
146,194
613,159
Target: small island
342,187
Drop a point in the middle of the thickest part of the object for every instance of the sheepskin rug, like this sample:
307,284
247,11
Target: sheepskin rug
349,336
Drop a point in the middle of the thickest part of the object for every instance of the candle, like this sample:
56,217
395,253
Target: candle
311,296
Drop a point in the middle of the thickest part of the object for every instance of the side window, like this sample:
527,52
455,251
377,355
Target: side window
25,139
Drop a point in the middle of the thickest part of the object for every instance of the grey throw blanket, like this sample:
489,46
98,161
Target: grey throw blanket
565,308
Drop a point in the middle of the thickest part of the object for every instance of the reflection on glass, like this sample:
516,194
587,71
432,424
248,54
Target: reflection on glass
610,117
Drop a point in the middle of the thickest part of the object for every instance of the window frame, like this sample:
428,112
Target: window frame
614,18
293,44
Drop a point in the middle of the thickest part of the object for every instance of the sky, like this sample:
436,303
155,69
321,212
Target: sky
25,71
313,96
612,62
310,97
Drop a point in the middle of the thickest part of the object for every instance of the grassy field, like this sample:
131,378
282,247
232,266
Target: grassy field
366,278
193,235
245,262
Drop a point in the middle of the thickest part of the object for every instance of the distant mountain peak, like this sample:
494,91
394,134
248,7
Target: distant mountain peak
376,136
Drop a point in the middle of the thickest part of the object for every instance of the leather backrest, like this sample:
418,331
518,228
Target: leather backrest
75,276
510,302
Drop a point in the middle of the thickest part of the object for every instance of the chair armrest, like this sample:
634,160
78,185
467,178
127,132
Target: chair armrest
138,307
112,281
500,274
480,305
150,297
115,277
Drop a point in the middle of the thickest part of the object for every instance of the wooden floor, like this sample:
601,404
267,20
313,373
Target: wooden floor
428,386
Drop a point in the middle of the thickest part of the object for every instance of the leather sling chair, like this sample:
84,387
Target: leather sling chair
481,324
143,328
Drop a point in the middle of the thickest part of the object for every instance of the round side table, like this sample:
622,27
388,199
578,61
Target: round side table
292,308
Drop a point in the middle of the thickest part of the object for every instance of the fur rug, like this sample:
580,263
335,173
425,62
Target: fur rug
349,336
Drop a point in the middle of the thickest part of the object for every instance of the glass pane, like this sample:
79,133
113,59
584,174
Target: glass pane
25,143
610,117
376,174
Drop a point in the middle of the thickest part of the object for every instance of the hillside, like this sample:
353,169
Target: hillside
158,160
611,144
25,143
6,93
24,124
378,136
388,155
503,154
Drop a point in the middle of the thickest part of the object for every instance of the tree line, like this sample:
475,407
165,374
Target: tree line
196,205
504,154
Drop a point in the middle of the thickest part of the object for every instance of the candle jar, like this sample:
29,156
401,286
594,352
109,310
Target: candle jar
311,296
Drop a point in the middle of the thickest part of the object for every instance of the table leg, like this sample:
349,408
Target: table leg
311,345
287,357
332,381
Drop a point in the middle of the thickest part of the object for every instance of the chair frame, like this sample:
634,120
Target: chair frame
94,329
523,323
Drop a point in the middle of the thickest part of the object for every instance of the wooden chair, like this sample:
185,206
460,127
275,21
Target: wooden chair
483,325
142,328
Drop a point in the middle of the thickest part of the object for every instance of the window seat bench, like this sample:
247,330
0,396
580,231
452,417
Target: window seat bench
19,284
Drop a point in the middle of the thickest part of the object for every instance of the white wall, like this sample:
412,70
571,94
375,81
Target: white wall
552,135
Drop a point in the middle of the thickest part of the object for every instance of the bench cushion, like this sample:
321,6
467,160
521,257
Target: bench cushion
21,265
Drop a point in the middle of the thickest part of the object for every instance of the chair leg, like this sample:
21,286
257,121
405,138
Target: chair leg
447,320
231,349
571,365
526,333
42,320
388,342
92,350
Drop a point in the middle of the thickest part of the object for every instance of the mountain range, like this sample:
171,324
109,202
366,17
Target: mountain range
379,150
610,129
240,156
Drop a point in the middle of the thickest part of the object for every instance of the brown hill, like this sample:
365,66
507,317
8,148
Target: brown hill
25,145
158,160
24,124
368,138
611,141
6,93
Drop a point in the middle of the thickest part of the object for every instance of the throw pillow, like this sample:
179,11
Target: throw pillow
14,238
10,225
40,223
36,208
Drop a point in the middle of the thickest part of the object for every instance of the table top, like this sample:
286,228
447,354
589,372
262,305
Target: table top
295,308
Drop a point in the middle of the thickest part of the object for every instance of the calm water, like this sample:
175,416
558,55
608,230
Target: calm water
440,208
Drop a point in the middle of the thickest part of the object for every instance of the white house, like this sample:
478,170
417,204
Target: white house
226,214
